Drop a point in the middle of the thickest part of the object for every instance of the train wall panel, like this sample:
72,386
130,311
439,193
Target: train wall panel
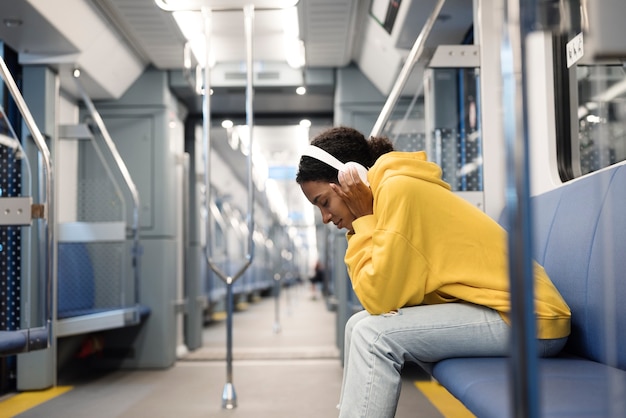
153,344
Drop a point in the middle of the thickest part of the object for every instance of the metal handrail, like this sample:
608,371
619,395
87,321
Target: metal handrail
414,55
123,169
206,112
229,397
48,207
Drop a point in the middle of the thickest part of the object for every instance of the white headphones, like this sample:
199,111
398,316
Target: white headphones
325,157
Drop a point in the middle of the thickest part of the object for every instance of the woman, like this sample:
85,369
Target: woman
429,268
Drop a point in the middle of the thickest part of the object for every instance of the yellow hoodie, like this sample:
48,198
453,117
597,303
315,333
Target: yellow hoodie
424,245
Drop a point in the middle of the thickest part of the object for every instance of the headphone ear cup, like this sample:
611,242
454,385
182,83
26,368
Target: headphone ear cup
362,171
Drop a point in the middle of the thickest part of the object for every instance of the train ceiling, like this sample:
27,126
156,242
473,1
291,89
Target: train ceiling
114,41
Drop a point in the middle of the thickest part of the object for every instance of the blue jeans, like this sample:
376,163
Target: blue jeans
376,347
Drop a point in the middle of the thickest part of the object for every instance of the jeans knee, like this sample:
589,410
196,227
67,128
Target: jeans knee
370,338
369,331
354,319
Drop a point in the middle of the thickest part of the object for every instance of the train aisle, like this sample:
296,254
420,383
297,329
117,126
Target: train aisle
294,373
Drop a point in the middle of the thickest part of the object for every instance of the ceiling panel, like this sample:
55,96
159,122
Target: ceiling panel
27,31
327,28
151,31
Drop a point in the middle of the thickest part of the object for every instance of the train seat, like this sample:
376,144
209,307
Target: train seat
76,289
580,239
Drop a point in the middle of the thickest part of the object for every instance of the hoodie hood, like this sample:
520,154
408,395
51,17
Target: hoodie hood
412,164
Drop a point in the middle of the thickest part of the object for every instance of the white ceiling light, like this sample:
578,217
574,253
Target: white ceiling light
294,47
192,27
294,51
174,5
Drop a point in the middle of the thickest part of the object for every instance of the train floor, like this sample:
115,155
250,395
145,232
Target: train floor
285,365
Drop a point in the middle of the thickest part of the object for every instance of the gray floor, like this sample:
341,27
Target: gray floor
294,373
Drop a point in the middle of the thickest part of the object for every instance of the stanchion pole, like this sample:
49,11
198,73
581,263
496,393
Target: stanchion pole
277,327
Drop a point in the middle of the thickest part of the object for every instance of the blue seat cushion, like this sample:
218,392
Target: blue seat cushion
76,287
570,386
581,246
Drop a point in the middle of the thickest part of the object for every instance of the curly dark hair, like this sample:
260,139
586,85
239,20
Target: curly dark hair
345,144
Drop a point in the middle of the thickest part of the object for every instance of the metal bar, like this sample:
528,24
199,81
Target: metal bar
414,55
206,138
248,23
48,180
206,129
229,397
249,28
24,340
276,327
462,126
130,184
523,361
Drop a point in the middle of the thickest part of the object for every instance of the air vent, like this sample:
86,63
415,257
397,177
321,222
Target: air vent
268,76
268,73
234,76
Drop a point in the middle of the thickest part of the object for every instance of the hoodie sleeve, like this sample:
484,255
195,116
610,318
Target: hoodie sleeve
387,271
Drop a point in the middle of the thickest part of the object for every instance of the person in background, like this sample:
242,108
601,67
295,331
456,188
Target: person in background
317,280
430,269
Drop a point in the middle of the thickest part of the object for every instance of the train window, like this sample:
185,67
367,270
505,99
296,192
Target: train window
441,115
601,116
444,122
452,126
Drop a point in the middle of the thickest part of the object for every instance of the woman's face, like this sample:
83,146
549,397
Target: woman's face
332,207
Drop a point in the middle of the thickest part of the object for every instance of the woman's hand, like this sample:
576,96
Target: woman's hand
357,196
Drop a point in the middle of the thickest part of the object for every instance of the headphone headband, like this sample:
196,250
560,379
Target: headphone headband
323,156
326,157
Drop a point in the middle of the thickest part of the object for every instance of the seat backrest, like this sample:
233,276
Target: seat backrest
76,287
580,239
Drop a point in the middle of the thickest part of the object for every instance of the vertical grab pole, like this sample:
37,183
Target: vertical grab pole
276,327
518,20
229,397
249,28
